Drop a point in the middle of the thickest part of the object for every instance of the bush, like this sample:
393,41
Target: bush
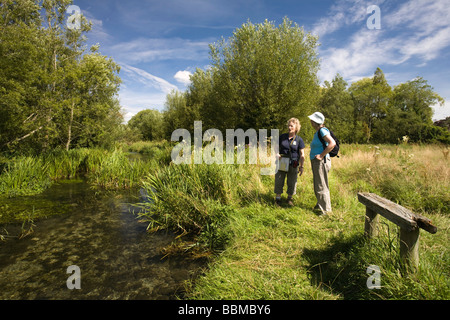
198,199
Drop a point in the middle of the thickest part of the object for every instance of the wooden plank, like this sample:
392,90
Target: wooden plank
425,223
390,210
396,213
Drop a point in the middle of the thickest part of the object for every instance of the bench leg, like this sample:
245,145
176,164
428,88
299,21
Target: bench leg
409,247
371,223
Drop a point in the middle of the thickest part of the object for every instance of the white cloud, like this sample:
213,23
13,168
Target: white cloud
417,29
153,49
146,79
183,77
343,13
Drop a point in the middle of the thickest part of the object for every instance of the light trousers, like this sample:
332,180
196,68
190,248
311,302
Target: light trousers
320,171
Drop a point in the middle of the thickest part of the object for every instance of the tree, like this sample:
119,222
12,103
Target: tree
51,92
91,111
177,114
259,78
20,48
336,104
149,123
411,105
371,98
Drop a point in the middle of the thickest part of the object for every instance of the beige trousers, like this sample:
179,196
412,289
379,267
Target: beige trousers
320,171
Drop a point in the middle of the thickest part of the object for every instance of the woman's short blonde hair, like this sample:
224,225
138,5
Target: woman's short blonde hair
296,123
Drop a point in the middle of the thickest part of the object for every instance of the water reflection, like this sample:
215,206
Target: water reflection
96,232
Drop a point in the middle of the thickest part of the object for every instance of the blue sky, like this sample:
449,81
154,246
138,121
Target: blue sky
159,43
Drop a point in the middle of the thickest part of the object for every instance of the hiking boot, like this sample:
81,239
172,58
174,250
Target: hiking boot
278,202
290,202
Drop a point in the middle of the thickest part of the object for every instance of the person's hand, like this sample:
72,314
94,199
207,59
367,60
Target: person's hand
319,157
300,170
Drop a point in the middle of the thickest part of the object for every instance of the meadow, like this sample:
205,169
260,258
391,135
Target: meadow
259,251
255,249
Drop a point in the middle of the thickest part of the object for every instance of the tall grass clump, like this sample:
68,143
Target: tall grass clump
197,200
417,177
24,175
103,168
116,171
64,164
159,152
191,199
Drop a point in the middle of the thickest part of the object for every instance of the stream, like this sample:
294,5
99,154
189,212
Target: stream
99,232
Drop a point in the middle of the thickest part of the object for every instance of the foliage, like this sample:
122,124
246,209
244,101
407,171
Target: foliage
264,75
149,124
52,93
370,111
28,175
291,253
259,78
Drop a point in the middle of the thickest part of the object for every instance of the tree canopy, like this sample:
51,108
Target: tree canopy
53,93
259,78
371,111
265,74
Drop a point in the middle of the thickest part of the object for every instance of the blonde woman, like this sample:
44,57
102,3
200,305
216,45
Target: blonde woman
292,147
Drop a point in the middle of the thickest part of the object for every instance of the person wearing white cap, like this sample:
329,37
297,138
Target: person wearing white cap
321,163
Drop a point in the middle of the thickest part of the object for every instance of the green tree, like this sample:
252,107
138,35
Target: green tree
149,123
412,112
52,93
20,93
259,78
177,114
336,104
371,98
199,98
91,112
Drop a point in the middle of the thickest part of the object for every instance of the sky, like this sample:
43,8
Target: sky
158,44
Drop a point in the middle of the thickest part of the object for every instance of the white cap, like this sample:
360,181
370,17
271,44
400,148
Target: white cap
317,117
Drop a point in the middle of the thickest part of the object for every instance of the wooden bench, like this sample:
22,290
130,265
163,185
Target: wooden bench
409,223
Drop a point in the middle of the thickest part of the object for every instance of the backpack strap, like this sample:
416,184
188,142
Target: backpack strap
321,138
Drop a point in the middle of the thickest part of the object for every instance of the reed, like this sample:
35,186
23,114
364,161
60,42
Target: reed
116,171
102,168
24,175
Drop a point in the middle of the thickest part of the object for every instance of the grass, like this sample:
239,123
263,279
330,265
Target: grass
104,169
28,175
266,252
259,251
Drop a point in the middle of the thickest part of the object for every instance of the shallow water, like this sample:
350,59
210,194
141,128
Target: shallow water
99,233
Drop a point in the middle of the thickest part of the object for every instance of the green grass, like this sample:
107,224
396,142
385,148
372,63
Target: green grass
107,169
291,253
259,251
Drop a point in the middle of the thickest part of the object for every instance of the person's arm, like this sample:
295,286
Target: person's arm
331,144
301,161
